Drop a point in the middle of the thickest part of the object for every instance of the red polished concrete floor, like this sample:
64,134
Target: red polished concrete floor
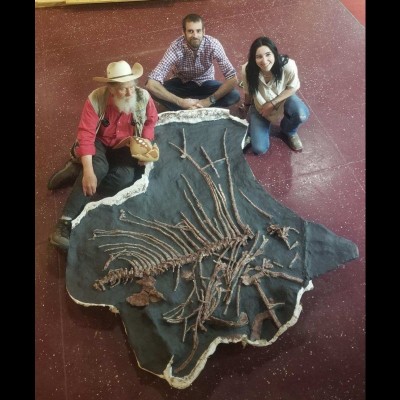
83,353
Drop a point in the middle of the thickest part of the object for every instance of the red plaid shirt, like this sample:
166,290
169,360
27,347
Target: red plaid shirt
193,65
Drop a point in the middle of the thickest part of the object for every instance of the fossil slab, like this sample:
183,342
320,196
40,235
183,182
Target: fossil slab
196,252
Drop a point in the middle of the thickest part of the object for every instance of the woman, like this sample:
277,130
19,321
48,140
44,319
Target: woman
270,81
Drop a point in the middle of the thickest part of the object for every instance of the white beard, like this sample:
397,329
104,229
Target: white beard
126,105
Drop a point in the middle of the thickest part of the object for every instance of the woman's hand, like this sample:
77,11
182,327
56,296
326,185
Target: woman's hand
267,109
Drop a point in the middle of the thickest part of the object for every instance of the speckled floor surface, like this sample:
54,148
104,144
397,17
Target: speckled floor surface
82,353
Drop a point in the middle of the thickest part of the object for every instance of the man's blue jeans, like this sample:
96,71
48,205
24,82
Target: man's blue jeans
194,91
295,113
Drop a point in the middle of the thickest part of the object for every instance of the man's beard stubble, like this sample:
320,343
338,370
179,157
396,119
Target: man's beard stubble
195,43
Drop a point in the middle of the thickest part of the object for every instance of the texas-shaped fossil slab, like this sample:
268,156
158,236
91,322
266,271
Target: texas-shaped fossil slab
196,252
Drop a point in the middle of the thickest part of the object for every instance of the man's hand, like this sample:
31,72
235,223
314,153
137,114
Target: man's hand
188,104
89,183
203,103
89,180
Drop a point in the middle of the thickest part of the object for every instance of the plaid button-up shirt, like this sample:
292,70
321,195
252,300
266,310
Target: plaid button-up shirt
193,65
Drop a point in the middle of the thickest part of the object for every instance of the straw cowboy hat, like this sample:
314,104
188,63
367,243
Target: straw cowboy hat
121,71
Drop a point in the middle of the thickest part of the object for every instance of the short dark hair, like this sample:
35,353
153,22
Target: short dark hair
192,18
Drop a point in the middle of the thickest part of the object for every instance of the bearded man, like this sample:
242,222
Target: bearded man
190,59
101,156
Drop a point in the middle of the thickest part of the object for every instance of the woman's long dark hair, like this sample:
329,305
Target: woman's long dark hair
252,69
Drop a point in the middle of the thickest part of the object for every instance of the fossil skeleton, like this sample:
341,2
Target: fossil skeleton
233,246
170,255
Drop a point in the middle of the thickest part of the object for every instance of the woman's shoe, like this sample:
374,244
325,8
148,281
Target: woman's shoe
295,142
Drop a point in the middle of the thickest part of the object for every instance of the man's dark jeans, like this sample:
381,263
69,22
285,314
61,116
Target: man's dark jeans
115,170
194,91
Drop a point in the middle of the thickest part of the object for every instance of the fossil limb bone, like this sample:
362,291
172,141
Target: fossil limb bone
253,280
